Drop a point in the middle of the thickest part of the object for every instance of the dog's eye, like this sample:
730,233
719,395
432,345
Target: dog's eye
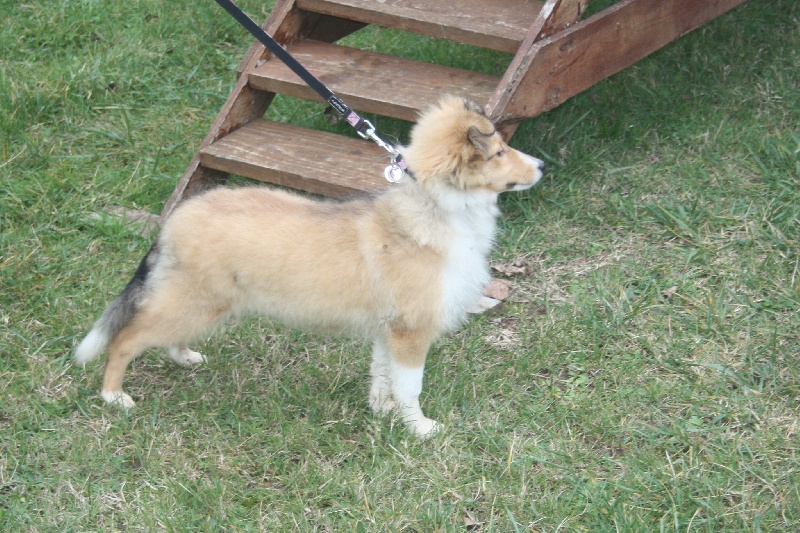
499,153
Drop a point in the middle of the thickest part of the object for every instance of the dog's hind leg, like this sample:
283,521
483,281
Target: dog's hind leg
128,343
165,322
183,356
408,350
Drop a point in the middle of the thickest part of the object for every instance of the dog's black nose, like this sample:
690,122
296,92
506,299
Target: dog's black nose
542,165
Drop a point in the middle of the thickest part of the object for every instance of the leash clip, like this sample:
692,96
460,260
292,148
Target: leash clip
393,172
364,128
367,131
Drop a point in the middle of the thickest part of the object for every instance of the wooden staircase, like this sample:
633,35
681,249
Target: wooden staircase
556,55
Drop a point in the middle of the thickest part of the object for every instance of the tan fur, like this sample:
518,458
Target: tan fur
400,268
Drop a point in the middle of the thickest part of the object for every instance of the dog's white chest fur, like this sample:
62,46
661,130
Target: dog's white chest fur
466,270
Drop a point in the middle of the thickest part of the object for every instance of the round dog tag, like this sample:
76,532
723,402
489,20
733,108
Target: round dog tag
393,173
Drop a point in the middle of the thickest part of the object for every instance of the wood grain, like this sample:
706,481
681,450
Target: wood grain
496,24
310,160
560,15
371,82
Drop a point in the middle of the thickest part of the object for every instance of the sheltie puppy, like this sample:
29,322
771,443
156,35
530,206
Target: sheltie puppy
400,268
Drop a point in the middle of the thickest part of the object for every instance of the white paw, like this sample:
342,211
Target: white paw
424,428
118,398
186,357
484,304
417,423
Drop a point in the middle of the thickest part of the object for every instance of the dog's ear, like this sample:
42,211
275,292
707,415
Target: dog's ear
473,107
481,140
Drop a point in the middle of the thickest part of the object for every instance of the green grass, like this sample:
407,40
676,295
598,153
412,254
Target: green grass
643,375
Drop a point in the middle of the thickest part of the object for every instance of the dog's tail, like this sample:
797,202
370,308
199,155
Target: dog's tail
118,313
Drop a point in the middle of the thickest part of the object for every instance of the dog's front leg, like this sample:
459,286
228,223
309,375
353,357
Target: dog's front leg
407,353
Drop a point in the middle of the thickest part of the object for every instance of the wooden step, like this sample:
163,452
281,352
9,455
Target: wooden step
496,24
314,161
371,82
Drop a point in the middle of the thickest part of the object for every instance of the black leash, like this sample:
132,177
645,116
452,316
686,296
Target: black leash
394,171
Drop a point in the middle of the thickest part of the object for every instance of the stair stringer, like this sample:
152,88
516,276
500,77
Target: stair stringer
555,16
547,71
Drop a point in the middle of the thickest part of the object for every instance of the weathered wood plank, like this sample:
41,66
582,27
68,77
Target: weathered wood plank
558,15
317,27
310,160
371,82
545,73
496,24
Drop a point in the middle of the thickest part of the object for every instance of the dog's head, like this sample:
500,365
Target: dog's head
454,145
